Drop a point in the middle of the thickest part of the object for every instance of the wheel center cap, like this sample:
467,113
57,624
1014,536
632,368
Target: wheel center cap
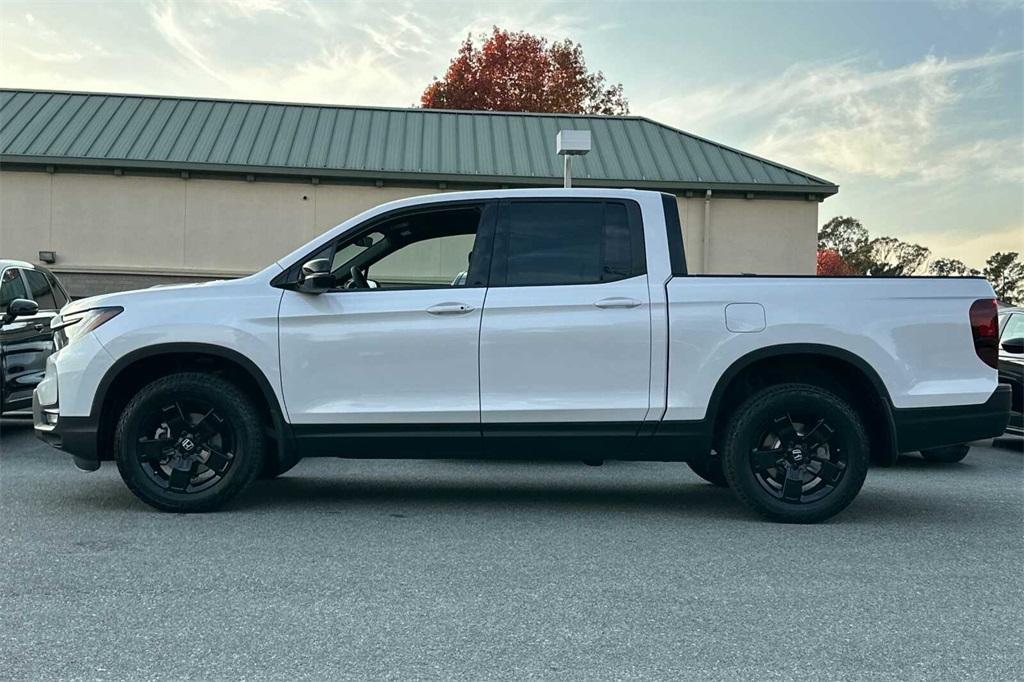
187,444
797,454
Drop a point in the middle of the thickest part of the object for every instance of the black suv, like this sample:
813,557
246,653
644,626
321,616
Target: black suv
25,337
1011,363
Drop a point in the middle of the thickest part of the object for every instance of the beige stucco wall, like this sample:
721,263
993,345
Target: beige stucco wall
203,227
763,236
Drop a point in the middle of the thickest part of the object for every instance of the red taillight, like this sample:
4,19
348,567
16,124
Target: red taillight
985,329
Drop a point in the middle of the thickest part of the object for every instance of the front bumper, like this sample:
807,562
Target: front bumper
74,435
921,428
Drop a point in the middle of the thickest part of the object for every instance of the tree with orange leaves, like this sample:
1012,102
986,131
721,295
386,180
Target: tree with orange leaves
830,263
517,71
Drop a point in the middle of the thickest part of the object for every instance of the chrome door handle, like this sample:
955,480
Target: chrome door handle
450,309
617,302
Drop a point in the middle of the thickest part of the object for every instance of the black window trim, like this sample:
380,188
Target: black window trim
484,241
674,232
499,259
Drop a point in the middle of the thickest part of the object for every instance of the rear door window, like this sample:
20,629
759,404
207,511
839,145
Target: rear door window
569,242
58,293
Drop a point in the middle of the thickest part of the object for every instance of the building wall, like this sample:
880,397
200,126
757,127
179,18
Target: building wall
763,236
115,232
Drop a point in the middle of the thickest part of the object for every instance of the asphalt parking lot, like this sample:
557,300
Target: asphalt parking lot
485,570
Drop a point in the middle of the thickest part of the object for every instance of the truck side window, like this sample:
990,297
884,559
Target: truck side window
1014,327
569,242
11,287
40,290
58,292
424,249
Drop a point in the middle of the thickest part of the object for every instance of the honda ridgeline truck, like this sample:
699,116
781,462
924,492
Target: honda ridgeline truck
574,332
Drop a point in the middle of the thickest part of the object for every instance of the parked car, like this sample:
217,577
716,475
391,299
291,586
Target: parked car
1011,363
577,334
25,337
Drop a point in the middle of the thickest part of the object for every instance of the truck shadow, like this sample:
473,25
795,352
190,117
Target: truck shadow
338,495
682,498
406,498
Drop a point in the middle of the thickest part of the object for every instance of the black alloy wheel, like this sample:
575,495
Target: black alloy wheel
796,453
189,442
798,459
187,446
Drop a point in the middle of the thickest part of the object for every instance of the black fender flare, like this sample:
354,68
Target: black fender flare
282,431
825,350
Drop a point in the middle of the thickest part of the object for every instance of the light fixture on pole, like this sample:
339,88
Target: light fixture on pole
570,143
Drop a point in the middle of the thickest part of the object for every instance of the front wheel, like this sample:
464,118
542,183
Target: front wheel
795,453
188,442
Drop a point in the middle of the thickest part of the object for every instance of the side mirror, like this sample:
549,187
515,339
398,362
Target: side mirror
20,307
1014,345
316,277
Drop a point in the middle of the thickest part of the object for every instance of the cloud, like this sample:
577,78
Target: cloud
53,57
347,75
973,250
250,8
844,118
165,22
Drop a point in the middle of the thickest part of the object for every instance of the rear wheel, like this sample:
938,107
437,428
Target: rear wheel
947,455
795,453
188,442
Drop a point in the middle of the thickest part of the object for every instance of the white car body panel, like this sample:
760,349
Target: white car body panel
912,331
80,368
239,315
552,354
379,356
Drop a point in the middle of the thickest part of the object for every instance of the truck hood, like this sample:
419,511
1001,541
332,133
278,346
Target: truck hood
161,292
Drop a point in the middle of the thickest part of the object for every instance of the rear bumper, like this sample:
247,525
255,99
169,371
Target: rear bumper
933,427
75,435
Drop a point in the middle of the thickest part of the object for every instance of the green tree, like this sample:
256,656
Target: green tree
890,257
951,267
845,235
1005,273
881,256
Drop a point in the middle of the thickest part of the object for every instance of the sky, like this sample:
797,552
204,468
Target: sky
915,109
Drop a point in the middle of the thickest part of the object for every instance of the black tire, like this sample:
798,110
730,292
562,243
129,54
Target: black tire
947,455
795,453
211,413
710,469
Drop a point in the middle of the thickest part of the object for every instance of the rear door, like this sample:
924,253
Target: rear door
26,342
566,331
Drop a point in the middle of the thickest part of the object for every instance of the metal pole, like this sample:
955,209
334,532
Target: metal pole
567,173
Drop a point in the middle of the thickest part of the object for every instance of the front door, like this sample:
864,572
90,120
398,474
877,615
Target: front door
392,350
565,345
26,342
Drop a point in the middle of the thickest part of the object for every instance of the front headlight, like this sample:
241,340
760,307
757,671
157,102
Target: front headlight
68,327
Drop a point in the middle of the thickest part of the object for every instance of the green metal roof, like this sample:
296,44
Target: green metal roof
135,131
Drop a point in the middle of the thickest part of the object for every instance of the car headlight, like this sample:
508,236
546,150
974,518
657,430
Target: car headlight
68,327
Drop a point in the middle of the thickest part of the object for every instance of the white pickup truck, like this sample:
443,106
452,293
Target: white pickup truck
575,332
